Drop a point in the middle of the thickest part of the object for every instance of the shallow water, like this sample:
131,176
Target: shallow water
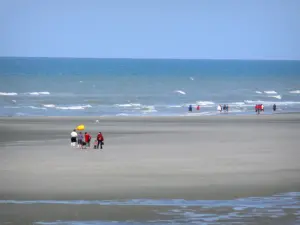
277,209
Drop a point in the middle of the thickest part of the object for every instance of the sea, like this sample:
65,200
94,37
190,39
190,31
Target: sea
278,209
138,87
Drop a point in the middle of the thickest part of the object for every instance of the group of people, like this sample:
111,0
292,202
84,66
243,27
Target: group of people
260,108
83,141
224,108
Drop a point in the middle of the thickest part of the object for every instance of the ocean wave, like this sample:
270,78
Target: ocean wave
128,105
80,107
39,93
11,107
49,106
148,109
275,96
34,107
295,92
258,92
236,103
270,92
8,93
180,92
270,102
122,114
205,103
174,106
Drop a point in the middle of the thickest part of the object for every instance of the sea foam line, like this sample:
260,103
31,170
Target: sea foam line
8,93
295,92
287,199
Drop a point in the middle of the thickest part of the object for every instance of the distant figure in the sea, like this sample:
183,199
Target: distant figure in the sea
73,138
225,108
274,107
80,140
198,107
190,108
262,108
258,108
219,108
100,139
87,139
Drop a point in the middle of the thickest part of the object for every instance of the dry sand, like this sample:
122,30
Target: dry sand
219,157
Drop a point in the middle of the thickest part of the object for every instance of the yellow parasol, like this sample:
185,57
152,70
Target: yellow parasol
80,127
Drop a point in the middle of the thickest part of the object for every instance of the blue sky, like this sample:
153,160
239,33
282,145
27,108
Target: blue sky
210,29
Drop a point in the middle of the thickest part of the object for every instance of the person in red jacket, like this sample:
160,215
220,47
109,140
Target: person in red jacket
87,139
100,140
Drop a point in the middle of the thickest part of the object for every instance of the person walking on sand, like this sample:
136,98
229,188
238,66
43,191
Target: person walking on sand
100,140
87,139
73,138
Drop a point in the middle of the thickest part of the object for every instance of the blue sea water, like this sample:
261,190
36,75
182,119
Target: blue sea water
100,87
275,209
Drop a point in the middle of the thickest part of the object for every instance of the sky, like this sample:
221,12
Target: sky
194,29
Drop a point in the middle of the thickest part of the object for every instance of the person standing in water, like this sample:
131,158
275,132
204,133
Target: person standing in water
190,108
198,107
274,107
219,108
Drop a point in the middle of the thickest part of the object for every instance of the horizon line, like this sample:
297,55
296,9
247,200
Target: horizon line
133,58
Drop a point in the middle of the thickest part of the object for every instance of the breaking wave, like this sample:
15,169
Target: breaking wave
270,92
39,93
77,107
8,93
275,96
180,92
295,92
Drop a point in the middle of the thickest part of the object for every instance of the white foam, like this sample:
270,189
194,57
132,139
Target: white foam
49,106
14,101
237,103
276,96
205,103
295,92
270,92
34,107
122,114
270,103
8,93
39,93
82,107
191,78
258,92
128,105
148,109
11,107
180,92
174,106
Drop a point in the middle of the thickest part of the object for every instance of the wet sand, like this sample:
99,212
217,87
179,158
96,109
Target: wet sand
220,157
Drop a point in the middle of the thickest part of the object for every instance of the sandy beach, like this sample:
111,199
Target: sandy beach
217,157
